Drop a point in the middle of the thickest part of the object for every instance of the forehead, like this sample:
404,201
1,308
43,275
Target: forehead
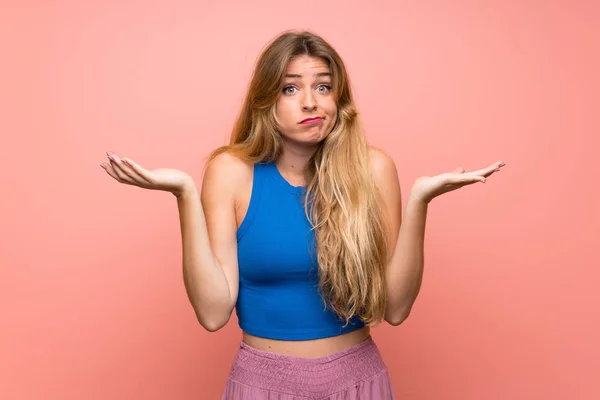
307,65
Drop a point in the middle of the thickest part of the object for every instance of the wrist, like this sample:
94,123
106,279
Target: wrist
417,197
187,190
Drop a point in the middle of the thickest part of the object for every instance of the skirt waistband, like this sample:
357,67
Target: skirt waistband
307,377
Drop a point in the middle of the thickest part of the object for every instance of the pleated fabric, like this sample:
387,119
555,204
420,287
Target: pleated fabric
357,373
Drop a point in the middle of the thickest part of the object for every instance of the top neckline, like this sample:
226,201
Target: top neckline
284,182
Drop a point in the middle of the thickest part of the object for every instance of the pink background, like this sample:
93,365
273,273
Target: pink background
92,303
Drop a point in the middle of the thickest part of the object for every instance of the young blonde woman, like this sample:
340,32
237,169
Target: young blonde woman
298,228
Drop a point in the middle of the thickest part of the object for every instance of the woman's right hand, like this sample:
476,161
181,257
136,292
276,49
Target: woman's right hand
125,170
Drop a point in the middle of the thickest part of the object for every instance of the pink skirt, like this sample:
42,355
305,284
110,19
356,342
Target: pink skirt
357,373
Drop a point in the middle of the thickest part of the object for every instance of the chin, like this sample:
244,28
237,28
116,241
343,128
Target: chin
315,138
318,134
308,138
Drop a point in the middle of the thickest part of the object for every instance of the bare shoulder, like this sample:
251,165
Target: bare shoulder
227,171
385,176
383,167
226,191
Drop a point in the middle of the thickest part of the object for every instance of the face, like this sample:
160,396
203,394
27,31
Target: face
306,108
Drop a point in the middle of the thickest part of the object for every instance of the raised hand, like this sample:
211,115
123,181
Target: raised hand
429,187
125,170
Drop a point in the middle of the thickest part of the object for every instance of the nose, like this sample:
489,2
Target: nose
308,102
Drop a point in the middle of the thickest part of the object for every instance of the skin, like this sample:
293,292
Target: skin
209,221
307,93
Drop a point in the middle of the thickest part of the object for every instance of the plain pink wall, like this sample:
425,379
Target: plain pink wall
92,303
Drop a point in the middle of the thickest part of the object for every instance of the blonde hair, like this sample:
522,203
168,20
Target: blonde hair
342,202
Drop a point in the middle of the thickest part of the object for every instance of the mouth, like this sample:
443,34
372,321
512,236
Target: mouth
313,120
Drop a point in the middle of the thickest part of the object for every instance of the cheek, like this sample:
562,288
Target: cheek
329,106
283,110
332,111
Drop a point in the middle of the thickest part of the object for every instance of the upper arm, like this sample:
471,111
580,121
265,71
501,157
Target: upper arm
223,176
385,176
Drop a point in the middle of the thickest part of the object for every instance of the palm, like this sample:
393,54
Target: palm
127,171
166,179
429,187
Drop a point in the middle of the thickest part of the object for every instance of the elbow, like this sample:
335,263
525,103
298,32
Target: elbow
212,322
211,326
398,317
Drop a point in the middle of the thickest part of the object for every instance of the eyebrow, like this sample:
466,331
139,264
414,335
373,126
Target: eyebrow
318,75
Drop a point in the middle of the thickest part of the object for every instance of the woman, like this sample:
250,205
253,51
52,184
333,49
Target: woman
298,228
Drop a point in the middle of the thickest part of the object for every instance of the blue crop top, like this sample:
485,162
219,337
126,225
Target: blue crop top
278,271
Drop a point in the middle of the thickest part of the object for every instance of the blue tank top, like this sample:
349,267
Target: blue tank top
278,271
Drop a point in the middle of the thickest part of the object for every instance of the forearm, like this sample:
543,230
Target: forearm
405,268
205,281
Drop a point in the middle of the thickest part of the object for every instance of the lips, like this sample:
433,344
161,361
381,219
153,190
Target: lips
311,120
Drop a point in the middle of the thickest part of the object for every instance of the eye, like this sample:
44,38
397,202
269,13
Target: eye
324,88
289,90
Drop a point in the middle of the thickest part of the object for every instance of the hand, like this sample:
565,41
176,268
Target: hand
126,171
429,187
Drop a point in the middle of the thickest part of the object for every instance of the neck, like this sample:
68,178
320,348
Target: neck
293,162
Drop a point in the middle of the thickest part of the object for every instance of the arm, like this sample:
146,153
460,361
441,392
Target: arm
405,268
404,271
406,236
208,230
210,269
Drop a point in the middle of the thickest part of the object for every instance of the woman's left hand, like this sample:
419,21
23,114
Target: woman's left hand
429,187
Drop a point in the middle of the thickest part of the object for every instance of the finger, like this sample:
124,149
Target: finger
459,170
143,173
110,171
129,171
123,171
469,179
459,180
488,170
121,175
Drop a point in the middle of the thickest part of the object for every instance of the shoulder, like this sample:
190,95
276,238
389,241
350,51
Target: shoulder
227,173
383,167
227,164
385,177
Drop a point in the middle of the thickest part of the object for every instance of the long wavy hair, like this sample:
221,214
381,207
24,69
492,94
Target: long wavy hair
342,202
